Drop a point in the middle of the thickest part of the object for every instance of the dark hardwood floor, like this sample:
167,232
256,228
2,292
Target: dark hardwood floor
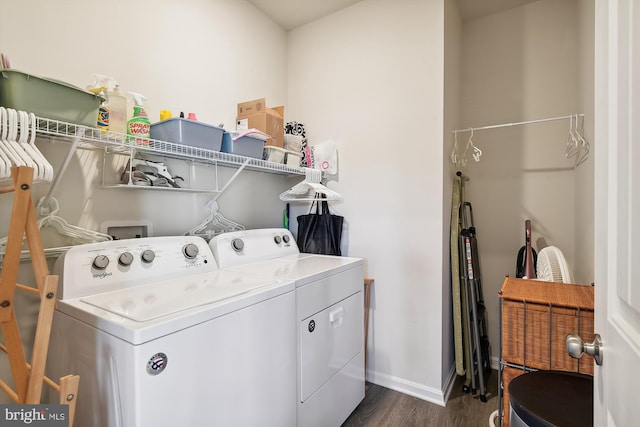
383,407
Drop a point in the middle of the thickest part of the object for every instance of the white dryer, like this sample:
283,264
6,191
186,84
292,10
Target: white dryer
161,337
329,317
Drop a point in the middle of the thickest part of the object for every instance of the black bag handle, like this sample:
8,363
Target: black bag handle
316,202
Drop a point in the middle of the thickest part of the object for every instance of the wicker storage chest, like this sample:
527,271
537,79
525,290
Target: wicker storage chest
535,318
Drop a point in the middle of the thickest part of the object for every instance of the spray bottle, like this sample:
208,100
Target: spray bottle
139,126
100,86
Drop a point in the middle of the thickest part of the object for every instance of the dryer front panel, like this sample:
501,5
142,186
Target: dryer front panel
328,341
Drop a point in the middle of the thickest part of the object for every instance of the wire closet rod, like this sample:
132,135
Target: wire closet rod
550,119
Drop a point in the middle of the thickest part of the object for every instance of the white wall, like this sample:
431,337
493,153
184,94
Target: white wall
524,64
452,63
195,55
370,77
585,175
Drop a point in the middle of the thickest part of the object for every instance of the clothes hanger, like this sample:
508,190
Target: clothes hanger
215,223
39,173
583,153
7,133
77,234
5,162
475,151
307,190
454,152
47,168
22,158
573,144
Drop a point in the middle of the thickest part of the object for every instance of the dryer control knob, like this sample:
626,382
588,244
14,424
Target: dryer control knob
125,259
148,256
190,250
285,238
237,244
277,239
100,262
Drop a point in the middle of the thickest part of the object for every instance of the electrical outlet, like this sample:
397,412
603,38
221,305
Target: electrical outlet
119,230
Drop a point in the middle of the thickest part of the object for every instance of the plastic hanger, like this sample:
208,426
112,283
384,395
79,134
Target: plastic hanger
77,234
5,162
17,145
39,173
583,152
23,159
9,128
215,223
30,145
573,144
454,152
475,151
307,190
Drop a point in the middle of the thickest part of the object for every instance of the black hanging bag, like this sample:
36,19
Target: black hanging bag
320,232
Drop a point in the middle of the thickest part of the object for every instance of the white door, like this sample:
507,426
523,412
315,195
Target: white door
617,211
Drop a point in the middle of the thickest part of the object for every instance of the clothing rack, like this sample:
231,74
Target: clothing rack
503,125
576,146
28,378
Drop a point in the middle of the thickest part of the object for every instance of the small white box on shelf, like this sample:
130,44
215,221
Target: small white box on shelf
274,154
292,158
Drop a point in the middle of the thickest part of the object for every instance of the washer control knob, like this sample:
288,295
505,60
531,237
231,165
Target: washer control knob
125,259
237,244
148,256
190,250
277,239
285,238
100,262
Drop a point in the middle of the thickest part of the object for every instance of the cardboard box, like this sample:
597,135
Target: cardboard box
249,108
255,115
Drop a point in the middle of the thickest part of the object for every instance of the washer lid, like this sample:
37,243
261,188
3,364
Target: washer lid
152,301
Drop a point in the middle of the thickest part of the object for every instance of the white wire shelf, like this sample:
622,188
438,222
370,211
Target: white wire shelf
94,138
156,188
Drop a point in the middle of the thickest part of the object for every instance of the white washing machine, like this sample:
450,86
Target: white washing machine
161,337
329,317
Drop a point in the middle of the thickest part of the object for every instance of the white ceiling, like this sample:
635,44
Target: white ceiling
474,9
290,14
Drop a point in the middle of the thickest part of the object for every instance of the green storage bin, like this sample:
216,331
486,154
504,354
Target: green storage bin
48,98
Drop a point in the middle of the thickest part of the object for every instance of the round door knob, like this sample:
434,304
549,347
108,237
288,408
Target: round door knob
148,256
285,238
100,262
576,347
277,239
125,259
190,250
237,244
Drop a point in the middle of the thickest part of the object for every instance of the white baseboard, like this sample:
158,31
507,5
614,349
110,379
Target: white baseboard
430,394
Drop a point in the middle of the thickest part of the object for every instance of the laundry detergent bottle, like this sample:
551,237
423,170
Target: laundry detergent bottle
117,111
139,125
